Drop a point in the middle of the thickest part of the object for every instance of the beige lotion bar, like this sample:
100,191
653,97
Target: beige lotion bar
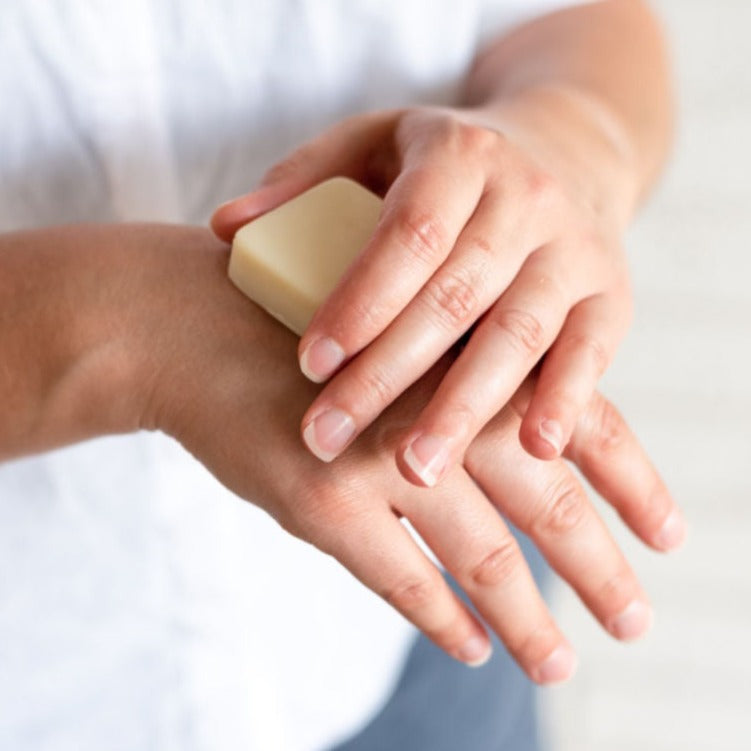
290,259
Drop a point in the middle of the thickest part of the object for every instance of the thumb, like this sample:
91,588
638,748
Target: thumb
350,149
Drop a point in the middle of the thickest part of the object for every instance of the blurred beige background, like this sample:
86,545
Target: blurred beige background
682,379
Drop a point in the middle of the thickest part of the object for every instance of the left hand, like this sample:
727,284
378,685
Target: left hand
485,223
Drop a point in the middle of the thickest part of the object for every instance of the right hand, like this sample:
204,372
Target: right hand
229,389
488,231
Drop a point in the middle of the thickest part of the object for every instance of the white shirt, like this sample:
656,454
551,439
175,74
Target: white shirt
141,605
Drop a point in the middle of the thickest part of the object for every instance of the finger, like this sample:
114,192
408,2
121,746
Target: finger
503,349
423,214
545,501
469,537
346,149
612,459
569,374
460,291
380,552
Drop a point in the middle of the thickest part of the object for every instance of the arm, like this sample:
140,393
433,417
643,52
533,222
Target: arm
503,216
112,329
70,361
594,82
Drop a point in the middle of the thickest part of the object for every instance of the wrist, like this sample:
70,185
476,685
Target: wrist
170,304
579,139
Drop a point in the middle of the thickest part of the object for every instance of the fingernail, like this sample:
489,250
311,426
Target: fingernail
558,667
320,359
634,621
672,534
551,432
427,457
329,433
476,651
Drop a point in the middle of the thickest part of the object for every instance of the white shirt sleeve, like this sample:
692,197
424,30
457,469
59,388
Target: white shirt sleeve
500,15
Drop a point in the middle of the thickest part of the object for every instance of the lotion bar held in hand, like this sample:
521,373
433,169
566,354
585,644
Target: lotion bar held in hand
290,259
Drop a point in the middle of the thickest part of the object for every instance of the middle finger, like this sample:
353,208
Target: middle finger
546,501
469,537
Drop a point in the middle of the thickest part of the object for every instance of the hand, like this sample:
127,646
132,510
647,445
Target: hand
485,224
137,326
223,381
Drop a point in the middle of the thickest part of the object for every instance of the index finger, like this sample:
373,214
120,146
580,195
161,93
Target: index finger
377,549
423,214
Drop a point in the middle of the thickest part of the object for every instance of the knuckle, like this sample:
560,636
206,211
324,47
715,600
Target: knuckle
442,129
543,190
447,130
477,139
453,298
500,566
365,318
481,243
463,415
375,384
592,347
552,279
564,507
421,235
412,595
292,165
536,644
522,328
561,401
616,592
609,429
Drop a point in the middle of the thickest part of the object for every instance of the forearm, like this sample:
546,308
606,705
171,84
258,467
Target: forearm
79,329
592,85
50,339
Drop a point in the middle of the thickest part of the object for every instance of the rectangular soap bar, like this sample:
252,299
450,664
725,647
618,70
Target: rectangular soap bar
290,259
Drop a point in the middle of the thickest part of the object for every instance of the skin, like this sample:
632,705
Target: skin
119,328
502,225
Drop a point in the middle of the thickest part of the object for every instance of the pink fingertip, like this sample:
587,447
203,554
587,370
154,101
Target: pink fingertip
320,359
552,433
427,457
632,622
328,435
559,666
673,532
476,651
